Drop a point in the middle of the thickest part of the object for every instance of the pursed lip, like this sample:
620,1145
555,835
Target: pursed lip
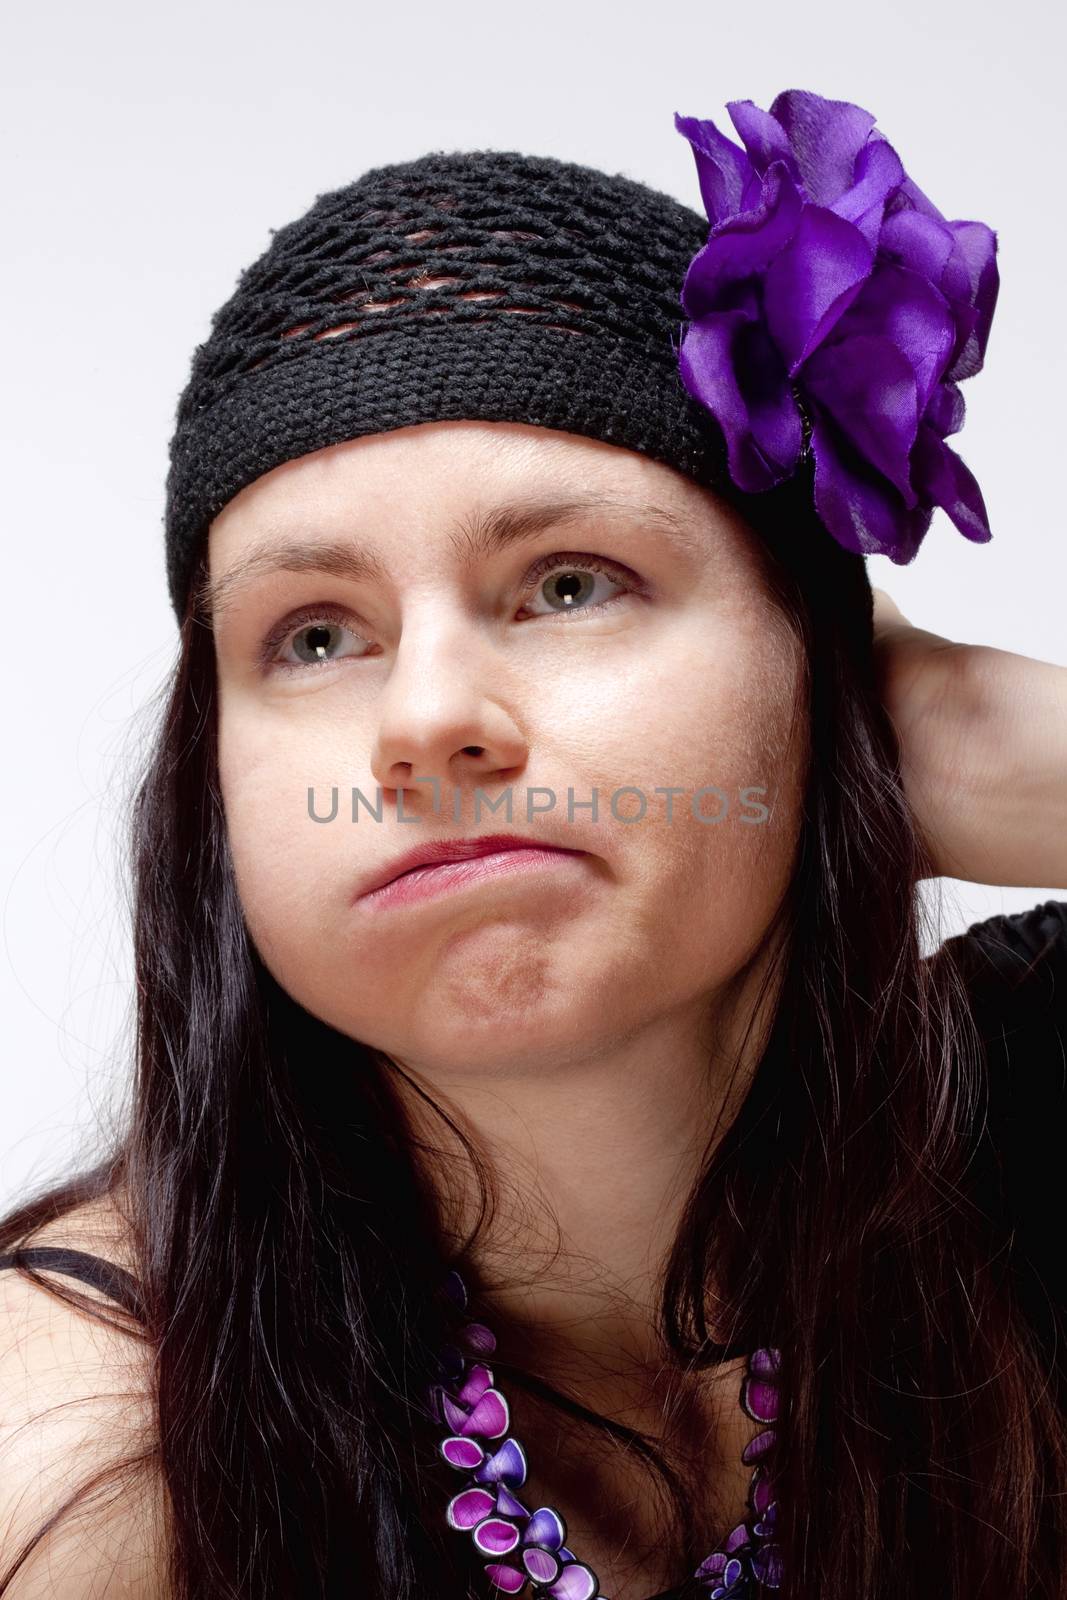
437,852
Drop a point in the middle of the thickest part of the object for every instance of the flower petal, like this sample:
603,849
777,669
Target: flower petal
466,1509
868,388
858,506
878,175
976,251
742,246
759,1446
508,1579
946,410
907,311
455,1288
825,136
545,1527
478,1338
813,281
759,1400
943,479
918,241
509,1505
506,1465
495,1536
763,136
731,365
575,1582
490,1416
463,1453
542,1565
763,1493
768,1566
728,181
911,193
477,1381
455,1416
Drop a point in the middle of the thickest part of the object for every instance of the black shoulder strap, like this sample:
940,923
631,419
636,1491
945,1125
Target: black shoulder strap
106,1276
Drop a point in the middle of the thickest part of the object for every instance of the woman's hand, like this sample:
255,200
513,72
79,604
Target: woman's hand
983,739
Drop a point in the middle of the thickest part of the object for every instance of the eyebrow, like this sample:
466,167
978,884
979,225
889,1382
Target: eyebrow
473,538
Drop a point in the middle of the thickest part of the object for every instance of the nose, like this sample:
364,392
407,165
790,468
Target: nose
442,715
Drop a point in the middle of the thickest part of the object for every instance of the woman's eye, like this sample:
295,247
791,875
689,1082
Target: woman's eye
563,586
570,585
316,639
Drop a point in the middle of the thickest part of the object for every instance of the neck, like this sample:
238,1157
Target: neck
593,1158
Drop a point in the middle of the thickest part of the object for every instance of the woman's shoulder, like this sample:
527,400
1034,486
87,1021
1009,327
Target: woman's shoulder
1019,949
1014,967
93,1243
75,1400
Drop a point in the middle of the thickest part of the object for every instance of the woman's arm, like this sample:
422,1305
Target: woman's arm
983,735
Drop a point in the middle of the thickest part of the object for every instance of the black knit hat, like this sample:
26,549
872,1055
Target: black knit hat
467,285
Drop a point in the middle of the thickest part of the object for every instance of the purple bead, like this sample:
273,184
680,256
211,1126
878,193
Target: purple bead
523,1546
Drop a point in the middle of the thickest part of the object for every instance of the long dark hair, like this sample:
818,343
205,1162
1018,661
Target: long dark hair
289,1248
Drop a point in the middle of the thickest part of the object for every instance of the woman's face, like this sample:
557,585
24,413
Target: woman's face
445,655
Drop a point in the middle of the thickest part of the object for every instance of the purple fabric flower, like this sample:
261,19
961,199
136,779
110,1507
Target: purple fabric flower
833,311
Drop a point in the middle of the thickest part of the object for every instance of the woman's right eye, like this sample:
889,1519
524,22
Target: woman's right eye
315,636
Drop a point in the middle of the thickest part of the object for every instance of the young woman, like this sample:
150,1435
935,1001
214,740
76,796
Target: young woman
553,1166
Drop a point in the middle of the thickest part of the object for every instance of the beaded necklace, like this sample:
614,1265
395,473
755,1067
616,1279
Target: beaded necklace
521,1545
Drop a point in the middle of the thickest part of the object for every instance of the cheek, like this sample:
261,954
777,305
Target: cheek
283,860
720,729
712,721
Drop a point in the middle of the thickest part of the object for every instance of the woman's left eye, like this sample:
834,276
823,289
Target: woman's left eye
565,585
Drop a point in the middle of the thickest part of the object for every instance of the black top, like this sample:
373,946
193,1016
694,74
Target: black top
1015,966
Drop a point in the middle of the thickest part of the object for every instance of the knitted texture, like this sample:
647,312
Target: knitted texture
468,285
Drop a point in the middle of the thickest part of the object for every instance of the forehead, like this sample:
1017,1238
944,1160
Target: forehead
451,458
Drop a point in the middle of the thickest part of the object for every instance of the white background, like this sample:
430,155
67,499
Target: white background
147,151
